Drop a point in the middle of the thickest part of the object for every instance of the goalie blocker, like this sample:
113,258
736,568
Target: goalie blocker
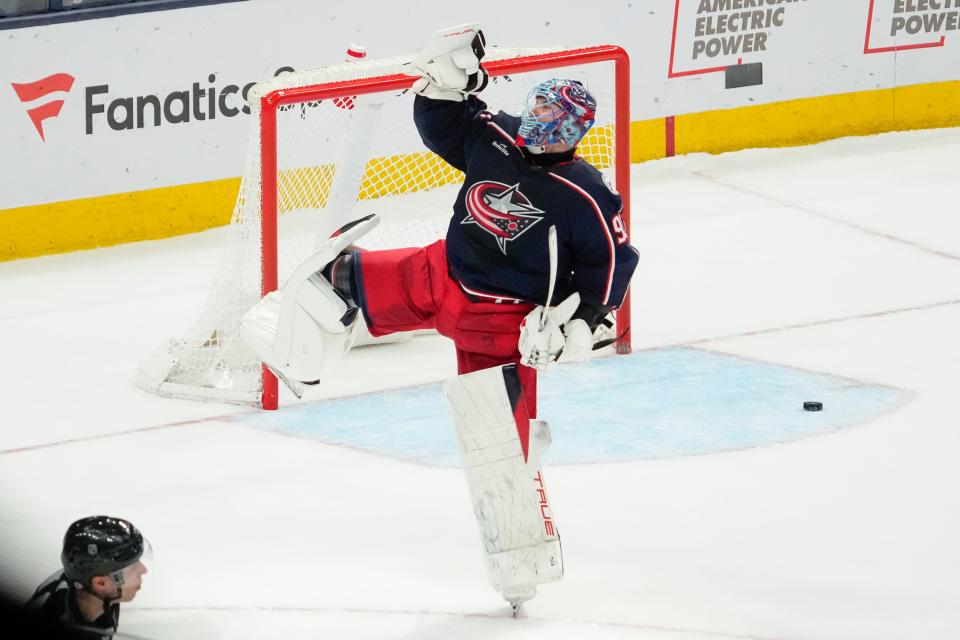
500,449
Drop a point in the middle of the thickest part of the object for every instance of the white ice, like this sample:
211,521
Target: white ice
842,258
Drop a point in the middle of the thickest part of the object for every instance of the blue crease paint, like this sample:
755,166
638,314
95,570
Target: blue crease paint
665,403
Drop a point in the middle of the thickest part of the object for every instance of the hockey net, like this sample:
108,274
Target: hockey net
330,145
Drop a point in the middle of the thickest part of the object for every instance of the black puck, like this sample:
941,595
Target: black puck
812,406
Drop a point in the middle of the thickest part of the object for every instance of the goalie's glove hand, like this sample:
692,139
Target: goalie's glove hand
577,341
541,348
450,64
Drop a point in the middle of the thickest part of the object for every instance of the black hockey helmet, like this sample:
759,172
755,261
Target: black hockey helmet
99,546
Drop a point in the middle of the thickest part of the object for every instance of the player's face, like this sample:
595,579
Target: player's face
549,112
132,580
545,112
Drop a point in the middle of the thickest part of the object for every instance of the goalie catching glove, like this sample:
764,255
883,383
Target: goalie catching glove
450,64
542,347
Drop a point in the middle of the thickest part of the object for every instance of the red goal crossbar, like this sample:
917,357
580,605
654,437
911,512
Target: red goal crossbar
280,97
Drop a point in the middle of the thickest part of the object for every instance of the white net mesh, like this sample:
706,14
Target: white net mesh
337,160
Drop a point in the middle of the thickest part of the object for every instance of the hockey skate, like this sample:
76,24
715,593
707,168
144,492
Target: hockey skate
516,598
516,573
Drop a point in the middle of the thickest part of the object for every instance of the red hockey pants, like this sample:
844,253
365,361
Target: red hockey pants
410,289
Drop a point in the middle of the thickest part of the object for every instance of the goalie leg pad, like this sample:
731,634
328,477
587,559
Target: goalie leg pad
500,448
306,327
300,332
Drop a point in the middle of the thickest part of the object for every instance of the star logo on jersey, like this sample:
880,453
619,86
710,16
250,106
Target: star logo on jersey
500,210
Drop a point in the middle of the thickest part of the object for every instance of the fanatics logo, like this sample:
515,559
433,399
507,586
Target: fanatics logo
502,211
501,147
40,89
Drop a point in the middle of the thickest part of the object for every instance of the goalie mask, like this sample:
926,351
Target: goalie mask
556,111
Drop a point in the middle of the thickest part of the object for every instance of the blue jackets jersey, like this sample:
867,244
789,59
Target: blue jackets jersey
497,239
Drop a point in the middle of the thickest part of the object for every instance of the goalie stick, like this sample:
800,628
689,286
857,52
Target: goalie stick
552,251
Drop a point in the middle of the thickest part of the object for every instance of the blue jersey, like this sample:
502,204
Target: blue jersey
497,239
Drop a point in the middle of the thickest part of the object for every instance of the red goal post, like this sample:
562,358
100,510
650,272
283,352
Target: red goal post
396,82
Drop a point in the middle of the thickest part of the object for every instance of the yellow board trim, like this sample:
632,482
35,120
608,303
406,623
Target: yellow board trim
647,140
811,120
102,221
152,214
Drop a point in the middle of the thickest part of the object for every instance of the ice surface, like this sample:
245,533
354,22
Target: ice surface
840,260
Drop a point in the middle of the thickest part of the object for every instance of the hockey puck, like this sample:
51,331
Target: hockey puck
812,406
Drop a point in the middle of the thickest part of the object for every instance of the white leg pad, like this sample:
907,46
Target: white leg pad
303,330
500,450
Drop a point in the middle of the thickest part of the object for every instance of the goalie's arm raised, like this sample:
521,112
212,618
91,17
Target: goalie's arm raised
445,111
447,128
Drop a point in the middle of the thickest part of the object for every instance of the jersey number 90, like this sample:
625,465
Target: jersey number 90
620,229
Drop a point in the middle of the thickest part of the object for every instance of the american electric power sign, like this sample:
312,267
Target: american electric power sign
712,36
107,109
897,25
